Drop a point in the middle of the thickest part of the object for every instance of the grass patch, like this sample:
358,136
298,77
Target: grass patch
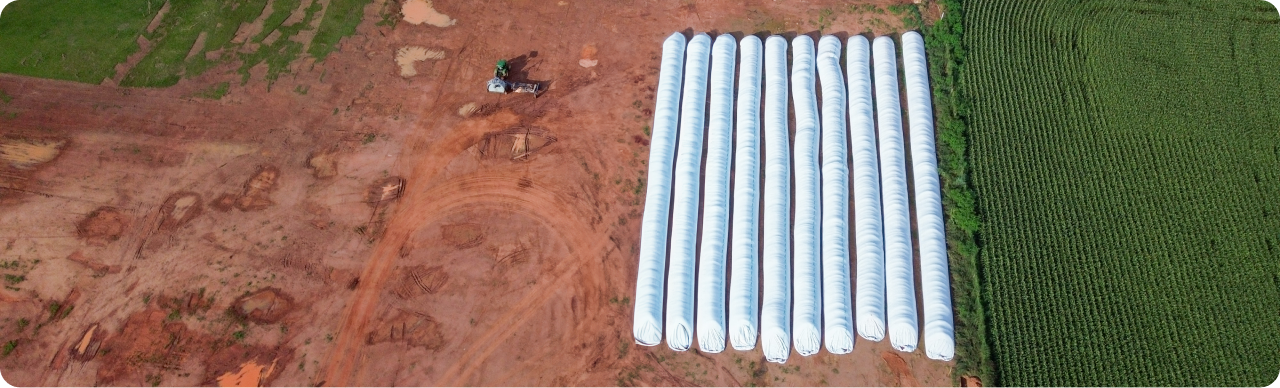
340,21
167,63
71,40
280,11
910,14
14,279
8,348
215,91
84,40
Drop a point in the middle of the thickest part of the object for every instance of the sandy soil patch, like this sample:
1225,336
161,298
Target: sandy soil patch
589,56
421,11
89,344
250,375
26,154
385,190
407,56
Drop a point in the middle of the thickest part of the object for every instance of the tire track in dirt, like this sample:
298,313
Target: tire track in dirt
489,190
341,361
424,203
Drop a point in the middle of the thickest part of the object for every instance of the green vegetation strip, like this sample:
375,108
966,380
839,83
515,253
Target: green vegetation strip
945,47
340,20
1126,163
83,40
173,40
74,40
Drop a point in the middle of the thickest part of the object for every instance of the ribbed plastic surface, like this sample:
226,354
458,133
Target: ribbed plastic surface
935,280
715,203
650,276
868,221
807,262
899,276
744,286
775,312
684,207
837,297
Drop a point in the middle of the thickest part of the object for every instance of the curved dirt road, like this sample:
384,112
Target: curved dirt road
423,203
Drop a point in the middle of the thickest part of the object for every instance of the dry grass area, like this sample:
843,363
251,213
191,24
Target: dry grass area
345,225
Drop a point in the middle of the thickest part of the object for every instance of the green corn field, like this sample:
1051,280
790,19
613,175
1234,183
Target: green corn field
1125,157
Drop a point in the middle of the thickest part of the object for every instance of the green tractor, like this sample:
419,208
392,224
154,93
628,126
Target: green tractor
499,83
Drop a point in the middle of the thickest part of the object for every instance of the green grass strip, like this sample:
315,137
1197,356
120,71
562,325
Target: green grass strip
74,40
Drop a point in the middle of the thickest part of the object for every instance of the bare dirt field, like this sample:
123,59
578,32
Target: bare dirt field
354,223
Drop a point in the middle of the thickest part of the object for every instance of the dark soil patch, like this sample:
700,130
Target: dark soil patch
413,328
102,226
463,236
267,305
146,345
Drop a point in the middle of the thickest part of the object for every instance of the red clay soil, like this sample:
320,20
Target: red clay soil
903,377
507,256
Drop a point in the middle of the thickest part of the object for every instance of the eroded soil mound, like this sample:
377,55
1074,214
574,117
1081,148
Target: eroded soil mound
385,190
463,236
323,165
519,143
267,305
255,194
102,226
179,209
146,344
413,328
257,190
417,280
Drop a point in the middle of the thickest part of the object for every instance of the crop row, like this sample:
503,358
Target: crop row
1126,164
